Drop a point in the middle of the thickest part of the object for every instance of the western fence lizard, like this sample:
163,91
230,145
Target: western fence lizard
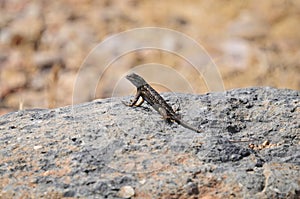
147,93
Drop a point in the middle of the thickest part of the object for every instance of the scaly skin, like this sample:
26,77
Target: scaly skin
150,95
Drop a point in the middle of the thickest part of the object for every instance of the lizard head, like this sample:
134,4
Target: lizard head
136,80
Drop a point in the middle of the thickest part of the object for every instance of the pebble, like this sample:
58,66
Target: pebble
126,192
37,147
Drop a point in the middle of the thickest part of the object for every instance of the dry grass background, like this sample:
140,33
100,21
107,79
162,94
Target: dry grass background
43,43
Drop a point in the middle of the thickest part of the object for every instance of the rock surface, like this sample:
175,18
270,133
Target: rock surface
103,149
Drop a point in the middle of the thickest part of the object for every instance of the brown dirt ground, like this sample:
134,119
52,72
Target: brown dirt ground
42,44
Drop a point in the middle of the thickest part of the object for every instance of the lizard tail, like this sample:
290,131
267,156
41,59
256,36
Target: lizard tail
188,126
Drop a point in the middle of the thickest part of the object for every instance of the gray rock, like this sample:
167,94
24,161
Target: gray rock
249,148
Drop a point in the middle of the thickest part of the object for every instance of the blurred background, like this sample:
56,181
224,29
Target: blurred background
44,43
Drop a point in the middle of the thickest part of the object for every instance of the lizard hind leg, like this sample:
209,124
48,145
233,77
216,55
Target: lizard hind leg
163,112
176,108
166,116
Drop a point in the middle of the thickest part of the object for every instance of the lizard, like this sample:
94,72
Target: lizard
148,94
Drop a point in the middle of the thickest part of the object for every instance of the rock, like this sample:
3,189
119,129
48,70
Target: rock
248,26
39,33
126,192
285,30
237,53
11,79
27,25
12,75
103,149
45,60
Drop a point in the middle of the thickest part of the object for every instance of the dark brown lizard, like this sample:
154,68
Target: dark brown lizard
146,92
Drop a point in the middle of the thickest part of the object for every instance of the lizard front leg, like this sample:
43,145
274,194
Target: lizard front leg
135,100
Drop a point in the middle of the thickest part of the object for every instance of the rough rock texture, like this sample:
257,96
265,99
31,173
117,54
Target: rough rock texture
103,149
